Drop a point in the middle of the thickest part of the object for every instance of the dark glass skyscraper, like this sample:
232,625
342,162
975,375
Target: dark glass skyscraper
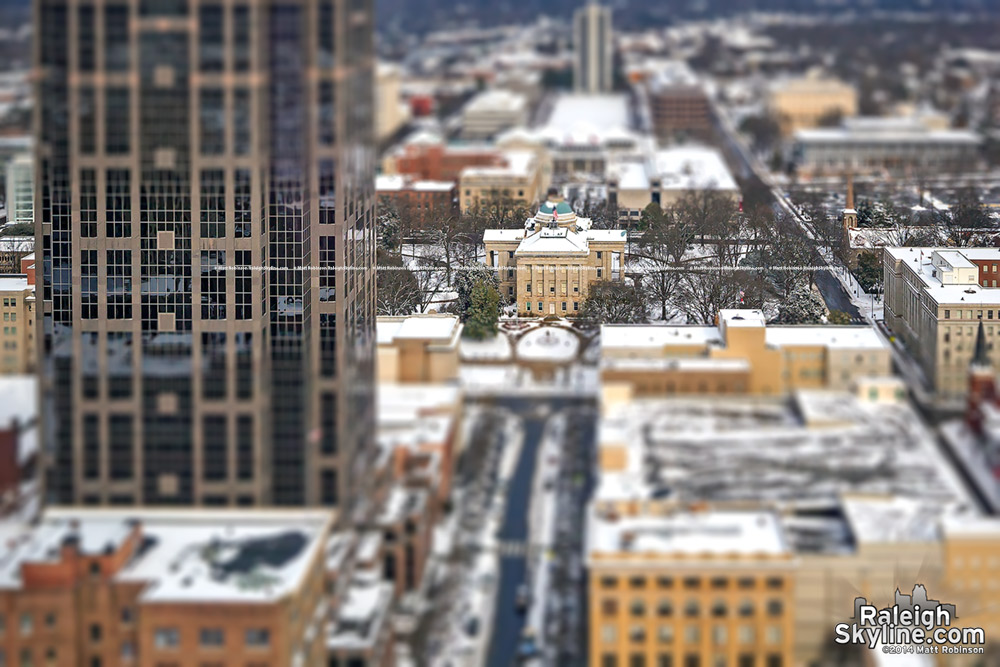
205,197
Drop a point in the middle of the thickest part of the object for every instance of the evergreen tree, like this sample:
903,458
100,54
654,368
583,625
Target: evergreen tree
483,317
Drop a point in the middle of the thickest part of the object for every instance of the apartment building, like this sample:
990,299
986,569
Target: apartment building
934,301
548,267
742,354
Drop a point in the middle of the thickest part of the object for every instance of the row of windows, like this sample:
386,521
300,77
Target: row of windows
691,660
969,314
169,638
541,306
665,634
693,583
692,608
10,303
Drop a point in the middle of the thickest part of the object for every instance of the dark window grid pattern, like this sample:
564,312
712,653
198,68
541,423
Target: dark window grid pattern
90,380
211,53
119,284
245,458
119,360
86,111
88,284
215,448
118,203
86,47
243,286
242,209
121,443
88,203
328,269
241,37
213,203
213,284
165,205
213,364
245,377
117,121
116,37
212,121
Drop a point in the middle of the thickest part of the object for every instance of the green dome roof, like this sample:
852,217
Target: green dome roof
562,208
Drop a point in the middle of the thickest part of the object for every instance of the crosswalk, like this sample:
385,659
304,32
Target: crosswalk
517,549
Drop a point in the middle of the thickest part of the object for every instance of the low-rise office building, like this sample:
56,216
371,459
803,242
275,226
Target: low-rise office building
877,145
493,111
740,531
17,305
515,179
934,301
802,102
665,176
420,201
741,355
549,267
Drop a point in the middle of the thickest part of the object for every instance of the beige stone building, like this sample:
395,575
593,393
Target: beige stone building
801,103
418,348
708,542
517,179
548,267
934,300
17,296
741,355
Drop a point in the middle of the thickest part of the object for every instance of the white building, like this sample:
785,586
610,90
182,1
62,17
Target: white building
592,41
492,112
20,190
664,176
896,145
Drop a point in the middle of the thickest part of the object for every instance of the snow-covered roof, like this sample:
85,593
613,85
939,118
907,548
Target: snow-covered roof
572,111
547,241
719,533
494,235
826,335
653,336
941,281
14,283
195,556
400,182
498,99
693,168
416,327
741,451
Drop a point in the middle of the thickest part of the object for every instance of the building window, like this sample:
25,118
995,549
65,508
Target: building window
211,638
564,306
600,255
166,638
947,314
774,608
27,623
258,637
600,272
95,633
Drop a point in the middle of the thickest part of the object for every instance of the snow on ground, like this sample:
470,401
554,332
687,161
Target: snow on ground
491,349
548,344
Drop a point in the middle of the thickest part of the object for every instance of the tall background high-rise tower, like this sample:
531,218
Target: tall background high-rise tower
592,49
178,139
